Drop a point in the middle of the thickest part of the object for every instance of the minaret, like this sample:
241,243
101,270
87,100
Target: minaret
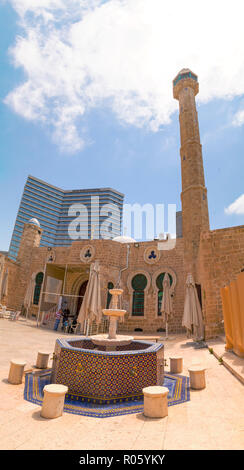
30,239
194,193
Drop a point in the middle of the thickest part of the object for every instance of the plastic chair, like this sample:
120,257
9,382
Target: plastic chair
15,316
66,326
75,328
6,313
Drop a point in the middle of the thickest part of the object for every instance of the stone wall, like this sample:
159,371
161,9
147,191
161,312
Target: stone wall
221,258
170,261
112,257
12,267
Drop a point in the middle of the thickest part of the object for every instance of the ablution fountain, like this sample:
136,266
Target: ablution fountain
112,340
104,367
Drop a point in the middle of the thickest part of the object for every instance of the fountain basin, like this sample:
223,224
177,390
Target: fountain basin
111,343
114,312
99,374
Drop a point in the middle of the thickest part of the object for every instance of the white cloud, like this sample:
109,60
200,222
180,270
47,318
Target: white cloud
78,54
238,119
237,207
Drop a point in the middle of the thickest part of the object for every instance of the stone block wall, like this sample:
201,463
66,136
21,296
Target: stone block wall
112,257
12,267
221,258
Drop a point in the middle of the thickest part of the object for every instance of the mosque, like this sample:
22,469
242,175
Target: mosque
213,257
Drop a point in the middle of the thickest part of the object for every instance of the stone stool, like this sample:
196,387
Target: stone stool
53,402
155,401
42,360
197,377
176,364
16,371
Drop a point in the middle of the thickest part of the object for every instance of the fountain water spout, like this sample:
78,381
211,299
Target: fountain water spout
114,313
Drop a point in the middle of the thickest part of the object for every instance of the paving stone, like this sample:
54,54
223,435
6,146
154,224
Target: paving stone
212,419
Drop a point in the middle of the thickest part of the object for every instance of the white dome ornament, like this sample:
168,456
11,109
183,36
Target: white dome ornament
34,221
124,239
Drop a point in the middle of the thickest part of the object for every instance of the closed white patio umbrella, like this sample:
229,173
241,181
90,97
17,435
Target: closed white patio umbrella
192,318
166,307
91,306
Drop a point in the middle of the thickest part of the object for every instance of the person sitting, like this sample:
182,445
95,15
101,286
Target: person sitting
65,325
66,314
73,325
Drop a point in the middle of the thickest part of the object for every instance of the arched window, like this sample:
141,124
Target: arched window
159,283
109,296
139,283
37,290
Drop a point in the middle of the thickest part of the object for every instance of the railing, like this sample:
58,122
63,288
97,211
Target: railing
48,317
182,76
48,320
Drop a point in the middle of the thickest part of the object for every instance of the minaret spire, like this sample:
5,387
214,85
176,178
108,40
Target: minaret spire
194,192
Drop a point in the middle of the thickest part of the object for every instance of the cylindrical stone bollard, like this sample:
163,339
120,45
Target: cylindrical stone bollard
197,377
53,402
155,401
42,360
176,364
16,371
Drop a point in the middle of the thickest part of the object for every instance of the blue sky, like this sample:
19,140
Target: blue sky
83,123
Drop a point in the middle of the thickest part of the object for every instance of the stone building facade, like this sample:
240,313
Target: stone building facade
213,257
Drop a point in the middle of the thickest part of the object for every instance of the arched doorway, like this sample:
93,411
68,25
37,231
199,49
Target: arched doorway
81,294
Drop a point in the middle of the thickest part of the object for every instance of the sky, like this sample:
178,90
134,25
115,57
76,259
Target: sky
86,99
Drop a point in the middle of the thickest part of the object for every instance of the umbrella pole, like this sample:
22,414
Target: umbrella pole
87,330
167,329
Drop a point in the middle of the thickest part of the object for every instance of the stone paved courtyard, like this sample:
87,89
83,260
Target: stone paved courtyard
212,419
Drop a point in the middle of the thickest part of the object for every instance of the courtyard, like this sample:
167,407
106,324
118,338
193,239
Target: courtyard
212,419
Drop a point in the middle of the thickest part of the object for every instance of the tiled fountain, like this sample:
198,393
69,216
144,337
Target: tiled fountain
114,366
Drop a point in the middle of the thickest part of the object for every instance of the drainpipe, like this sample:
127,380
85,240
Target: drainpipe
127,265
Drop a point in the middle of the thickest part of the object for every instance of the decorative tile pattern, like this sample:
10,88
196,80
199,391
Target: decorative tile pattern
104,375
179,392
152,255
87,253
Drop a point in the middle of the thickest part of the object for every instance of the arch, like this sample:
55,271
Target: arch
109,296
81,294
84,277
131,291
37,289
133,274
164,269
139,283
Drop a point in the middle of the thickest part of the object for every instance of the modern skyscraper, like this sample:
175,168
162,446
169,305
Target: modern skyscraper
65,216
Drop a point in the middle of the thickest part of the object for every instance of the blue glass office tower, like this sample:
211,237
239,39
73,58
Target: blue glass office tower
66,216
